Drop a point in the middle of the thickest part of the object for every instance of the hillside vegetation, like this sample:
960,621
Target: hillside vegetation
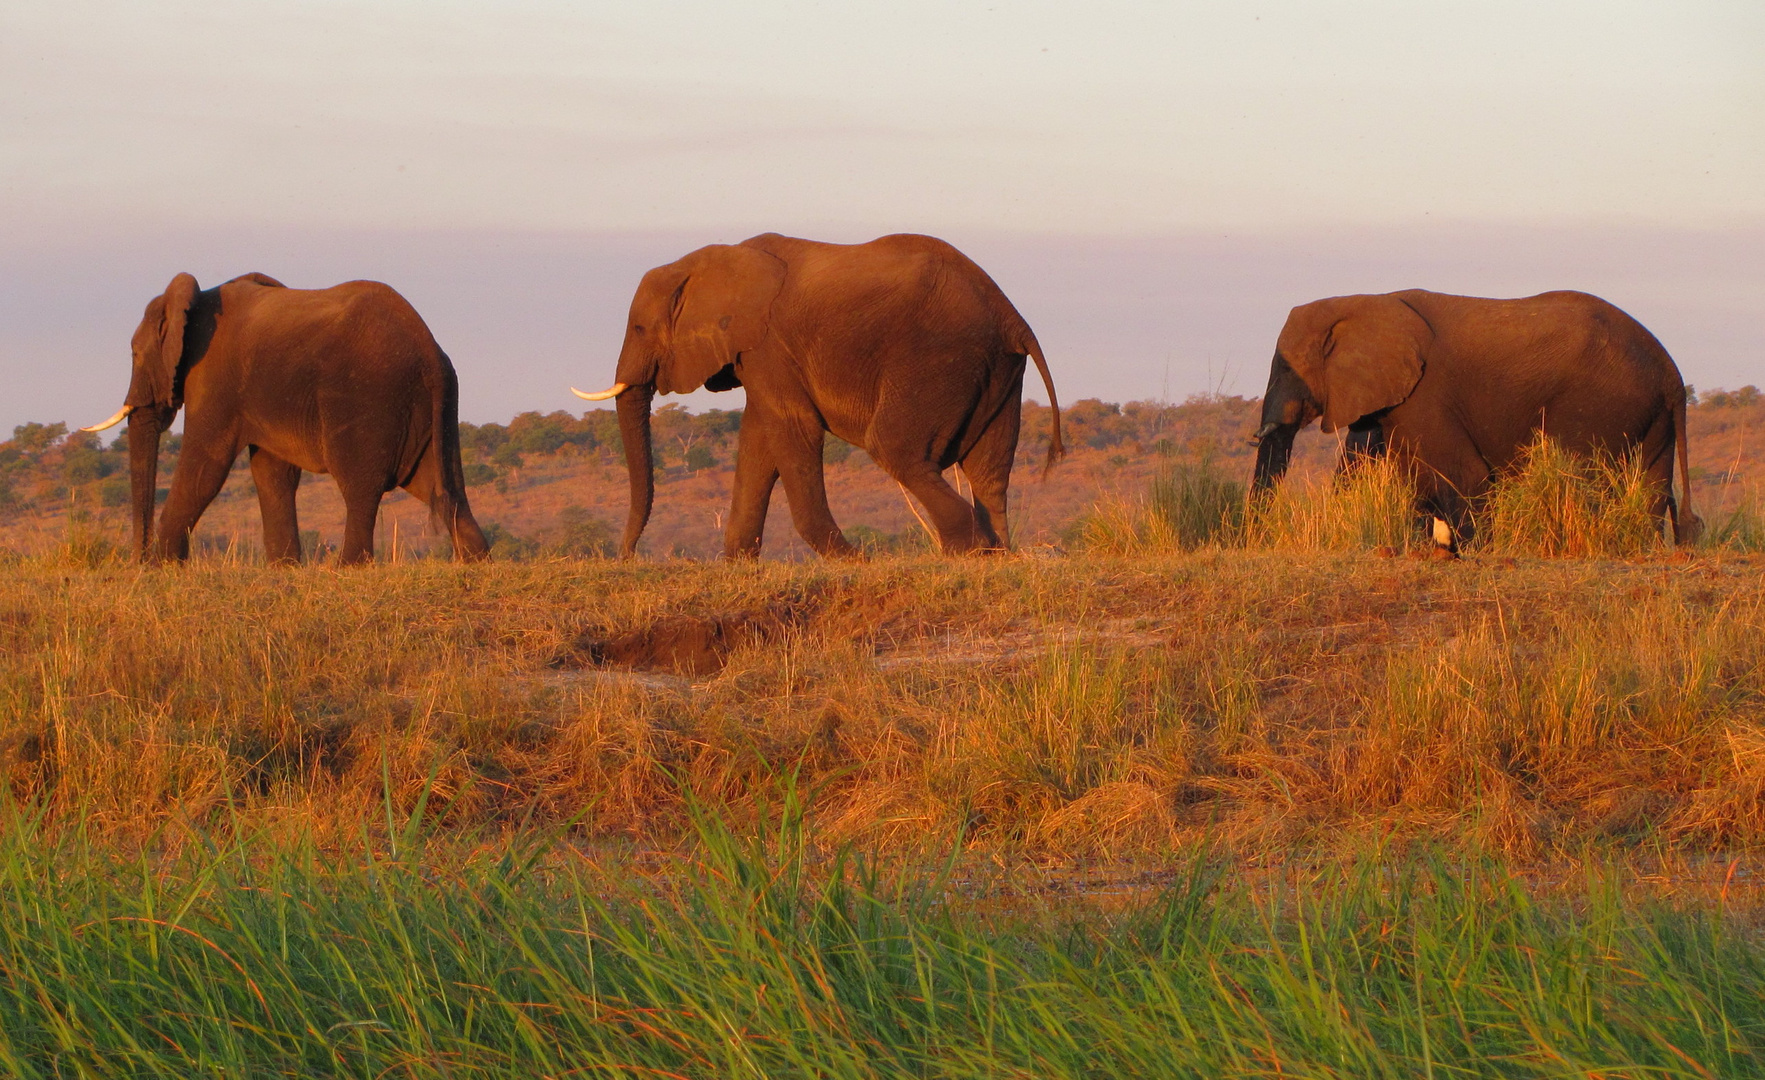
555,483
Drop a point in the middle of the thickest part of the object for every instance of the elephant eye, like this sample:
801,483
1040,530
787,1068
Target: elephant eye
639,329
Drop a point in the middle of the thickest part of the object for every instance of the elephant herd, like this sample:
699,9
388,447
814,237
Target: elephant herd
901,346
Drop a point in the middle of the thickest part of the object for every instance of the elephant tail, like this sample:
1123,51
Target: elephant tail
1056,449
1686,524
449,510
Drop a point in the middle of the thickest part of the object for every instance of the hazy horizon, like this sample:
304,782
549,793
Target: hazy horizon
525,315
1154,185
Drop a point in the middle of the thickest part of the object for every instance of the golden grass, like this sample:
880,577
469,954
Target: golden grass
1369,506
1193,505
1558,505
1552,504
1045,707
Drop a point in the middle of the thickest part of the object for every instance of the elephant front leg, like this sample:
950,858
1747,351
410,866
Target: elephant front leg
1366,441
277,481
800,468
201,473
755,475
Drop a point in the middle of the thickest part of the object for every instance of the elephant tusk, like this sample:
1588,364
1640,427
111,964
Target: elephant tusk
121,415
1262,433
610,392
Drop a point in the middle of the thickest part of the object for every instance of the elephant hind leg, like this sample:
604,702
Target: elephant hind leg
277,480
361,512
1655,452
988,469
952,517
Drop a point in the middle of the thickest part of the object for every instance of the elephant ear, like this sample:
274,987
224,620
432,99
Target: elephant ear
1358,354
163,377
721,309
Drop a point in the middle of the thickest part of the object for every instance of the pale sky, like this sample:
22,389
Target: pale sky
588,141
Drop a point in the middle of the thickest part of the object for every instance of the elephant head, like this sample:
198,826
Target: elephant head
689,322
1341,360
159,356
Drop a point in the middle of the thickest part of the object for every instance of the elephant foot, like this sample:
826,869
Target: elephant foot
1446,539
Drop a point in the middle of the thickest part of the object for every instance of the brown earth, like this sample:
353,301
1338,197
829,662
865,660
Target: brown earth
1113,450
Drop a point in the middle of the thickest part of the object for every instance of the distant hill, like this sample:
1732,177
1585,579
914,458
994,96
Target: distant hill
556,482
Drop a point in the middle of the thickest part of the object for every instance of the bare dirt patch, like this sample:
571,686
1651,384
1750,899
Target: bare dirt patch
693,646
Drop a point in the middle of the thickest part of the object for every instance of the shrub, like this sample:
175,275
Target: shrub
34,438
1730,399
835,449
583,535
506,545
484,438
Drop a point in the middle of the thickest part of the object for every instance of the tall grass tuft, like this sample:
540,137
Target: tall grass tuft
1739,526
1370,505
1554,504
1189,505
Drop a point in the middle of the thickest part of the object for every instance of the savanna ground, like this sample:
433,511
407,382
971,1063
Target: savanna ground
1214,793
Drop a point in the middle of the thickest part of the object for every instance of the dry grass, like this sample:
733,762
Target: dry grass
1552,504
1052,708
1370,506
1193,505
1558,505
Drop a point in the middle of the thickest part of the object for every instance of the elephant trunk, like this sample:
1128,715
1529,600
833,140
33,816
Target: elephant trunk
634,432
1274,447
1287,406
146,424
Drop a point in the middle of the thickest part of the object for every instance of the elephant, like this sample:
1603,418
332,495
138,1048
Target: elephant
901,346
345,380
1457,385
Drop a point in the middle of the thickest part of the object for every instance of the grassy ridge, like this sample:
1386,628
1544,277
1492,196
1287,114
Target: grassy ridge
754,961
1094,706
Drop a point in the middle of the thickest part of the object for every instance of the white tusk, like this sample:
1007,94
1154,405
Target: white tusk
610,392
121,415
